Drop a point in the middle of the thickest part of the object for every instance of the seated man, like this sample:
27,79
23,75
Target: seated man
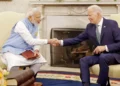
23,37
105,34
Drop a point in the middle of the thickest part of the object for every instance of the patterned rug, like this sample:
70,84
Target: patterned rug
69,76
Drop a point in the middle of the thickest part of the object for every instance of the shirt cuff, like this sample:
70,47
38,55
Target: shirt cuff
46,41
37,47
61,42
106,48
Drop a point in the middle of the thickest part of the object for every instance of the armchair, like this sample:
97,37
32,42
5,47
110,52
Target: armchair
7,20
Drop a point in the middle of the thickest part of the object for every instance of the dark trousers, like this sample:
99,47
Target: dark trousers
104,60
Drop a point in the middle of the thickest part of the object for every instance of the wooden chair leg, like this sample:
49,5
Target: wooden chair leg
108,82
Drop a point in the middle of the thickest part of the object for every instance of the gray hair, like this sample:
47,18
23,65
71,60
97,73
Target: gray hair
32,11
96,8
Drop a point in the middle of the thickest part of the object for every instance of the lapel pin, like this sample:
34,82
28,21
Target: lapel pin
104,26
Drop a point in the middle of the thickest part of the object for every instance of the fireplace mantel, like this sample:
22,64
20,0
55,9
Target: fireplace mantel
74,3
113,5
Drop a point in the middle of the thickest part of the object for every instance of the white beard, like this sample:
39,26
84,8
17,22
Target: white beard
34,22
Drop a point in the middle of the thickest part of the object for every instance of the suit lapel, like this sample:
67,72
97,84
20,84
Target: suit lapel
103,30
94,33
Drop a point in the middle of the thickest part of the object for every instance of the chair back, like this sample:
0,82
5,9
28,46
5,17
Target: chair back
7,21
116,17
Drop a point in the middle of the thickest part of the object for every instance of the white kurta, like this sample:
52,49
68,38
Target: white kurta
11,59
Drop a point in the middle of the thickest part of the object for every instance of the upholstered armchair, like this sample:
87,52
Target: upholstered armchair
7,21
114,70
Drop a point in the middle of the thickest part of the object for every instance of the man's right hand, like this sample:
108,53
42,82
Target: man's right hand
99,49
54,42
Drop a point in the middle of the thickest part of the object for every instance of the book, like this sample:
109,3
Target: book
28,54
17,78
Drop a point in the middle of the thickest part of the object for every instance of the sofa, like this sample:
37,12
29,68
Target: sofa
114,70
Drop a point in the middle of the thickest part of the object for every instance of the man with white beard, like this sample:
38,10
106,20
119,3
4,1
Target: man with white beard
23,37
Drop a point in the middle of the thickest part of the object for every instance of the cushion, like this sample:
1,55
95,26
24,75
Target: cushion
114,70
2,65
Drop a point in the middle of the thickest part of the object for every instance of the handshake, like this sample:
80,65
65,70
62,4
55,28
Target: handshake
54,42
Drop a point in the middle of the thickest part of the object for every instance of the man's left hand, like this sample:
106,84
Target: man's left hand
99,49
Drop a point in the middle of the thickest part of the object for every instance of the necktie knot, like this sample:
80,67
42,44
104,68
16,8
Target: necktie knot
97,25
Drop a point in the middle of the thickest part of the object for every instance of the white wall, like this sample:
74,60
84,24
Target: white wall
14,5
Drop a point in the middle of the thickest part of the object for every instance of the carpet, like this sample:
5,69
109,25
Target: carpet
59,78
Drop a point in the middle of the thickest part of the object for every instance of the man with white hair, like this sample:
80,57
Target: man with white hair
25,36
105,35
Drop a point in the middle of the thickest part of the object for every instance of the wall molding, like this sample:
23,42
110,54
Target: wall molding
74,3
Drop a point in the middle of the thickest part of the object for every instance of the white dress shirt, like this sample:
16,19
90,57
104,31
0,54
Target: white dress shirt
100,30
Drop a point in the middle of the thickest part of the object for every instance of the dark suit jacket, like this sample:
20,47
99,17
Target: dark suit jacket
110,36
